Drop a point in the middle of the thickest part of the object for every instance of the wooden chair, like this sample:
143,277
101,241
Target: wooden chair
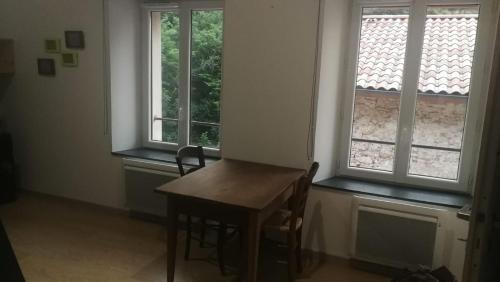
291,221
196,153
190,152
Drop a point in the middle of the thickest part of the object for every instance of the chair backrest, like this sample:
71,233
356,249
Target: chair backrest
190,152
299,199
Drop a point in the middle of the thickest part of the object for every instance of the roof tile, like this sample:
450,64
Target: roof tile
447,54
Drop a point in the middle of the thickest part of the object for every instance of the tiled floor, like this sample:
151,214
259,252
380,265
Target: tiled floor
63,240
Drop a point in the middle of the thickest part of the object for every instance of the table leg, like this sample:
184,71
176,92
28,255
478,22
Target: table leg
172,217
251,239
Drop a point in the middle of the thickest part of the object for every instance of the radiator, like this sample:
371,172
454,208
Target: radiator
397,234
141,178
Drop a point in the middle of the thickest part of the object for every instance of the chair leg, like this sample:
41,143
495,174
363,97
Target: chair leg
221,236
292,264
188,238
203,227
298,251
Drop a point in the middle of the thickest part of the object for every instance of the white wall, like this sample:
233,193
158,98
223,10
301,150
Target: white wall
58,123
328,217
335,31
125,72
328,222
268,70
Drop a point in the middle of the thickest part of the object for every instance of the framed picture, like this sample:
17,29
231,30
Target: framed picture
69,59
74,39
52,45
46,67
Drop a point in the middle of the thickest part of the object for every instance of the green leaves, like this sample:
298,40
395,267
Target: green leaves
205,76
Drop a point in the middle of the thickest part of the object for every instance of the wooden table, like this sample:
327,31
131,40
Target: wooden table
233,192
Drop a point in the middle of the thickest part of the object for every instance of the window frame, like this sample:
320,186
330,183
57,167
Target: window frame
184,10
475,108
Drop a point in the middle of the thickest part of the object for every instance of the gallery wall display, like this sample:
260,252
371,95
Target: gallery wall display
74,39
69,59
53,45
46,67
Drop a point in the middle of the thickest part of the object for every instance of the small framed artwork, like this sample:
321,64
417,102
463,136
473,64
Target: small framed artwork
52,45
74,39
46,67
69,59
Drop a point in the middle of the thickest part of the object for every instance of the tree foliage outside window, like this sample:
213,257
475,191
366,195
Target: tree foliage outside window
205,76
170,75
206,61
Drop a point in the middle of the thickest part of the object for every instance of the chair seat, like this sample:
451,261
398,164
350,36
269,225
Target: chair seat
210,222
280,220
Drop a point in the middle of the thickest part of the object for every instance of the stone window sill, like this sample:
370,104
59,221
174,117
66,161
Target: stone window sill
157,155
393,191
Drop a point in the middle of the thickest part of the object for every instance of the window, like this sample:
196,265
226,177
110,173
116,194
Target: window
184,82
412,94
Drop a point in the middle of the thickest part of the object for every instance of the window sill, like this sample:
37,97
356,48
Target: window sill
157,155
440,198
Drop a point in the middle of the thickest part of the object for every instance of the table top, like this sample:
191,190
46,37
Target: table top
237,183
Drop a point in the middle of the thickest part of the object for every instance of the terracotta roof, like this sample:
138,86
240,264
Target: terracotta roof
446,59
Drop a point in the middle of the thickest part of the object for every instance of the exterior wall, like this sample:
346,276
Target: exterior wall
439,122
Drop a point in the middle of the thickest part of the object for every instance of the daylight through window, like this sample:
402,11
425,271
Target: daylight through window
186,55
412,92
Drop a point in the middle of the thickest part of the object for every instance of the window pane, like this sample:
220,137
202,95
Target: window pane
165,84
443,91
434,163
372,155
169,131
206,57
380,66
207,135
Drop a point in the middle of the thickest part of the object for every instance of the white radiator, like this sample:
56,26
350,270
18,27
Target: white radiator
141,178
396,233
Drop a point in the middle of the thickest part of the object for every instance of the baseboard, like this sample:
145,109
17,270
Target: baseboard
377,268
121,211
341,255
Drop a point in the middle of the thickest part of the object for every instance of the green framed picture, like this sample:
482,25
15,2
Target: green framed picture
69,59
52,45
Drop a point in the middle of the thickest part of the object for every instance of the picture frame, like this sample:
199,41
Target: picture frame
46,67
74,39
52,45
69,59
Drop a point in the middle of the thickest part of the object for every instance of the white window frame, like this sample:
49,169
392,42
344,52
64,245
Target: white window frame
475,111
184,9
